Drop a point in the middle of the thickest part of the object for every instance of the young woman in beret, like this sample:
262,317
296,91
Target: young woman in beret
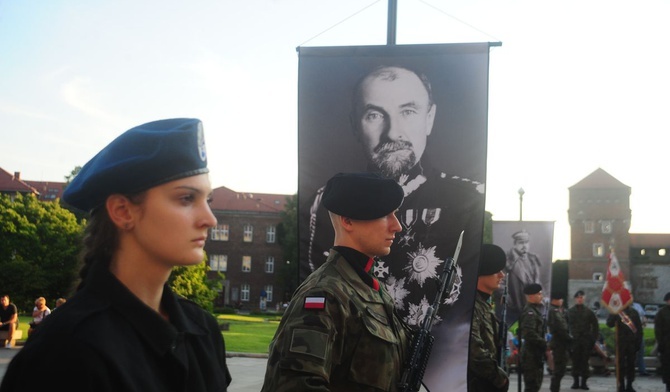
148,195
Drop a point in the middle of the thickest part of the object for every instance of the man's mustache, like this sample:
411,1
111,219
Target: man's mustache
393,147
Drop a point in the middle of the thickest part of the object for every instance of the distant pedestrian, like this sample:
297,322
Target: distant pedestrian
641,366
584,328
662,331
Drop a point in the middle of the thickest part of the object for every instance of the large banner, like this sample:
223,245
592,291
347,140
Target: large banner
529,246
417,114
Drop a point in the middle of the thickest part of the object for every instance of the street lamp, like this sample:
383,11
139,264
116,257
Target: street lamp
521,192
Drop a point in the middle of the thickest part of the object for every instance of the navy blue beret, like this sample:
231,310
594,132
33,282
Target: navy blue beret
140,158
362,196
532,288
492,260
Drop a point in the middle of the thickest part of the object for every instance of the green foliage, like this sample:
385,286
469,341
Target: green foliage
252,336
39,247
287,237
191,282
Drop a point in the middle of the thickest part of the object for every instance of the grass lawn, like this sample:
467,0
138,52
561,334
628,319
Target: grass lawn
249,334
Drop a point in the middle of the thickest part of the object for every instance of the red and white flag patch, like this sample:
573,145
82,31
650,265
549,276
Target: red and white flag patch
315,303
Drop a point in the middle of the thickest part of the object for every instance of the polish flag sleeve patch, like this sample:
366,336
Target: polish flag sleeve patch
315,303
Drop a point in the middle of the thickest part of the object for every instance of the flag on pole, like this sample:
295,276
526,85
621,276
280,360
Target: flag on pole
616,296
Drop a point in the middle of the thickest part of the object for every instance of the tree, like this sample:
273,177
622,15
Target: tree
287,237
39,247
191,282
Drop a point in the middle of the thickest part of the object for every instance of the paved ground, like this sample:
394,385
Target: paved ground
248,372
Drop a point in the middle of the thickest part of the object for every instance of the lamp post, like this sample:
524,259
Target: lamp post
521,192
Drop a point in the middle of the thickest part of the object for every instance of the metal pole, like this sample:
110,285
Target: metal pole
392,17
521,192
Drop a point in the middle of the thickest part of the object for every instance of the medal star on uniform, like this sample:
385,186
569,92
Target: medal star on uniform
423,264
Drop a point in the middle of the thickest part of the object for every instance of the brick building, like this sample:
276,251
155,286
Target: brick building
599,215
243,246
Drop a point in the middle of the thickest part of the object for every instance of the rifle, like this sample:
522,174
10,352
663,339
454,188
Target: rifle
422,342
503,331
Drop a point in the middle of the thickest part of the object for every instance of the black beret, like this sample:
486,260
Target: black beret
140,158
532,288
579,293
667,297
557,295
362,196
491,260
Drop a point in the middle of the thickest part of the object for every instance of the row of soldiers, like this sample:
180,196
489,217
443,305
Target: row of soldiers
574,333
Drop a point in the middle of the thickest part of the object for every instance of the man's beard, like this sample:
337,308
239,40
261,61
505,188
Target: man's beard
394,158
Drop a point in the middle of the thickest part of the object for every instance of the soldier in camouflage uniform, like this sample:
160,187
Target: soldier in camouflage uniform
340,332
629,339
485,373
662,330
584,328
534,346
560,340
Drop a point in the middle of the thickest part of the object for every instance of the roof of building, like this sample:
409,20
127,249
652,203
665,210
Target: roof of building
229,200
48,189
649,240
599,179
12,183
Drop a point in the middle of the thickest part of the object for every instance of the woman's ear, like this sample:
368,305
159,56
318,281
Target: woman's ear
119,211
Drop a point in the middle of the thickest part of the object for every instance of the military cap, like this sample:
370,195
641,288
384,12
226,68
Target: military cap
579,293
532,288
557,295
491,260
667,297
362,196
521,236
140,158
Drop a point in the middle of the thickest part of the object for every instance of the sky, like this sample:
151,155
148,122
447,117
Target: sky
576,85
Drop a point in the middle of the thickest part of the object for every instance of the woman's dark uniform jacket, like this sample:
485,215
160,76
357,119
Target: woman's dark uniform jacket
114,342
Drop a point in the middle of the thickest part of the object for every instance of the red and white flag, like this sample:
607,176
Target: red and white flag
616,295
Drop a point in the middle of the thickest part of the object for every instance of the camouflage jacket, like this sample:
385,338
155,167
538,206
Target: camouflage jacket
484,346
338,334
583,325
558,326
531,329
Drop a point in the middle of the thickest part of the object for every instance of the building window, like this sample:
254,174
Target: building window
218,263
598,277
598,250
606,227
271,235
245,290
270,265
268,292
220,233
248,233
589,226
661,252
246,263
